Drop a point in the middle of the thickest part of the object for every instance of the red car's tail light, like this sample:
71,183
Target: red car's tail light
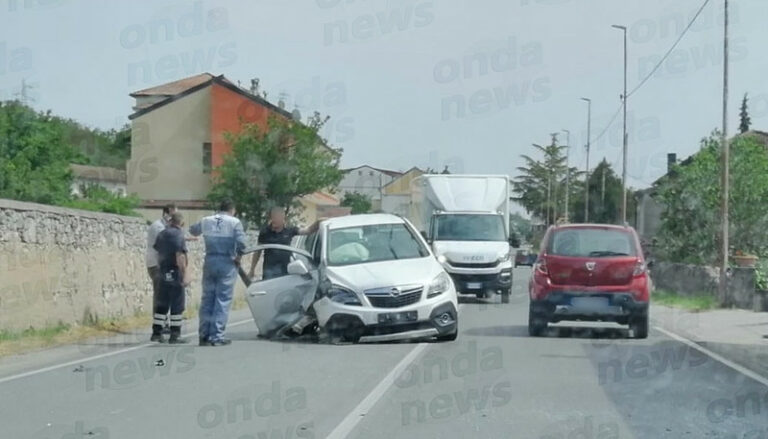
640,269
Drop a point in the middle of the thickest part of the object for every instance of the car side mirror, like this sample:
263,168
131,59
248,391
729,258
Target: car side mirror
298,267
650,264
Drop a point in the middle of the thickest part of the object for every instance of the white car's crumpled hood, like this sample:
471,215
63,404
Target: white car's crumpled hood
361,277
471,252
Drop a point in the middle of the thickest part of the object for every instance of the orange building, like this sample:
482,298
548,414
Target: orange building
178,139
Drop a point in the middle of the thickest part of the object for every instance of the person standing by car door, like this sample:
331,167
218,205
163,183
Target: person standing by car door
151,256
174,278
277,232
224,246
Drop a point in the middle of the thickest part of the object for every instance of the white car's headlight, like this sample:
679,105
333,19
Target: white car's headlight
439,285
343,295
504,257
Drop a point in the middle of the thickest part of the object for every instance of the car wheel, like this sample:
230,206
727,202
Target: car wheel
639,325
537,323
505,294
449,337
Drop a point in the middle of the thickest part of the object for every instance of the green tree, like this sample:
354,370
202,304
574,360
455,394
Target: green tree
691,221
744,120
540,186
360,203
275,167
34,156
605,197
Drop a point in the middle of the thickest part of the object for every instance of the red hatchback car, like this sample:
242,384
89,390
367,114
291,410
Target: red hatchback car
590,272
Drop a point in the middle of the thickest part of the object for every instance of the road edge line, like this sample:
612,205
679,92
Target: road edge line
715,356
96,357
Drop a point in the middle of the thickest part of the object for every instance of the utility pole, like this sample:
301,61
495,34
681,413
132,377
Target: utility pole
723,285
602,192
555,183
589,139
549,192
567,171
624,154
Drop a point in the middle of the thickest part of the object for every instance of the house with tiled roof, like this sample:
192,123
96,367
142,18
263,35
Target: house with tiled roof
178,139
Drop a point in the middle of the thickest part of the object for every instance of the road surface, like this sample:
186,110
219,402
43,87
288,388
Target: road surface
493,382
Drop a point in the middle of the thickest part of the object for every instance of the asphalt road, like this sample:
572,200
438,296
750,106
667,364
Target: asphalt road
493,382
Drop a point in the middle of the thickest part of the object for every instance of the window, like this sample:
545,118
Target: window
316,249
469,227
583,242
373,243
207,158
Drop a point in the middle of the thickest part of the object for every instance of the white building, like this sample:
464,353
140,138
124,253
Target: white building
367,180
114,180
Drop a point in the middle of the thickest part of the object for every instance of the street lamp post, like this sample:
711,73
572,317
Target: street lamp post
624,149
589,139
567,171
723,281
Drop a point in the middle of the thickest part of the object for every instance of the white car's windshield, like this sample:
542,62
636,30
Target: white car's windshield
372,243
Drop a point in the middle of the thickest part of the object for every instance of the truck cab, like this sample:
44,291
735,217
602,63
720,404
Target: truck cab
474,250
465,219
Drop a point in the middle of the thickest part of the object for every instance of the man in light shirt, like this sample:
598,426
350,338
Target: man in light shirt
151,256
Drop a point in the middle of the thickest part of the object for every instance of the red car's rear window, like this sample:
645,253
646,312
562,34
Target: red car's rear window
586,242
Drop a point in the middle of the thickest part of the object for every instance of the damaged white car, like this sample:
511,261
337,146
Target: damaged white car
360,278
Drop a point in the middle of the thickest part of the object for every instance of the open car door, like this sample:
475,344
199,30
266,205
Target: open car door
279,302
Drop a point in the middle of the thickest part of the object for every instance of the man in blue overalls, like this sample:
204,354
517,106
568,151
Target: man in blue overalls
224,245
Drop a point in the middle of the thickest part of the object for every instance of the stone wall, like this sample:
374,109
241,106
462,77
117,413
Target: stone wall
72,266
687,280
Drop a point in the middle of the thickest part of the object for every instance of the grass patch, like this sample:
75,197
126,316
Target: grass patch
27,340
45,333
695,302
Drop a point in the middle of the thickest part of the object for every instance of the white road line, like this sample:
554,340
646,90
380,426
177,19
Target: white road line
96,357
358,413
738,368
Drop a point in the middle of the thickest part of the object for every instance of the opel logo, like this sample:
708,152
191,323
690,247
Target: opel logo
590,265
395,291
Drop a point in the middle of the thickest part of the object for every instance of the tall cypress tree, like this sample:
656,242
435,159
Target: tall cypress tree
744,116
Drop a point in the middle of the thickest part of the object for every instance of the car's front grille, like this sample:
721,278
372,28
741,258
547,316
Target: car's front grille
462,265
384,297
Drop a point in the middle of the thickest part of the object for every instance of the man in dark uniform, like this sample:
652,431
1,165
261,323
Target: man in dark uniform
174,278
277,232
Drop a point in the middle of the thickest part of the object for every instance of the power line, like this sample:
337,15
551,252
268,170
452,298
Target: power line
656,67
608,125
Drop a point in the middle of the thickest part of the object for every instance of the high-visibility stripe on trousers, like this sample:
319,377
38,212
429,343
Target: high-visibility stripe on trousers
170,298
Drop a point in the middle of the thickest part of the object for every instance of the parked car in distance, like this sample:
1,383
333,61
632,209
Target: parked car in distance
590,272
524,257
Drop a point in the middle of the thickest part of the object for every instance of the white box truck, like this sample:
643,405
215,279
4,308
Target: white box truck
465,218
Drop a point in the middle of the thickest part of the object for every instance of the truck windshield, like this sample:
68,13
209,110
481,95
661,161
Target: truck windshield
468,227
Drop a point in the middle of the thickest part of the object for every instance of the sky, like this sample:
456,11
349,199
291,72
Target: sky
466,84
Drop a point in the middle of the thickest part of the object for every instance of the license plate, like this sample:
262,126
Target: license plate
398,317
590,302
474,285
